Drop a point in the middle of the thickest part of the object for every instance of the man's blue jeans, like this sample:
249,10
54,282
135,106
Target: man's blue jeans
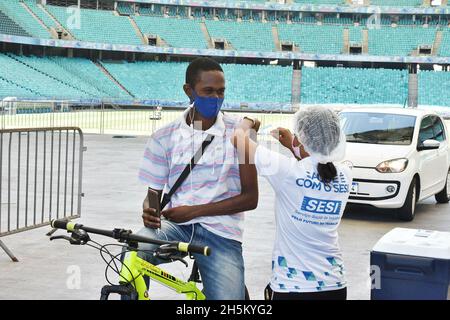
222,272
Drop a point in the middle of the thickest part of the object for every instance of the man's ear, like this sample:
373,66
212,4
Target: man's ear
188,91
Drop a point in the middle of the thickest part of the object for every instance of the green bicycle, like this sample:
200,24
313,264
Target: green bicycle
134,271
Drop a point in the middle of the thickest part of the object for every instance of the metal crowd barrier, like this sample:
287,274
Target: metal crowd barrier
41,178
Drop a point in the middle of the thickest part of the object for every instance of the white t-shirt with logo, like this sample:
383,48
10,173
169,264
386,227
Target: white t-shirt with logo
306,255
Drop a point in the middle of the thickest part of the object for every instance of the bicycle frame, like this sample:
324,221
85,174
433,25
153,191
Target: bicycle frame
134,267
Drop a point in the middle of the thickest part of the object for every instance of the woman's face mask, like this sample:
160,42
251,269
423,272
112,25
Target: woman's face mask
208,107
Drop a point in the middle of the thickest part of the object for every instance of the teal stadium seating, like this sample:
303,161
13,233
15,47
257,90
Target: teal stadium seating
354,85
40,13
56,77
36,77
445,44
124,8
156,80
407,21
9,88
84,70
106,27
172,12
242,35
17,12
182,33
21,70
251,83
157,10
397,3
164,81
80,78
335,20
9,26
355,34
383,21
400,41
434,88
308,19
97,26
326,39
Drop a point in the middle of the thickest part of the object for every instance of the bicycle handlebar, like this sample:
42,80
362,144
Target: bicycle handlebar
126,235
59,224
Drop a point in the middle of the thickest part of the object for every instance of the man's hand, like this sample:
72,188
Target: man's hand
179,214
284,136
151,219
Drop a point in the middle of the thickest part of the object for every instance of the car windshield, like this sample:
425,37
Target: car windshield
378,128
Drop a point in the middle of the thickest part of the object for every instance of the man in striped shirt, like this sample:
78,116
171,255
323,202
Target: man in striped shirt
208,208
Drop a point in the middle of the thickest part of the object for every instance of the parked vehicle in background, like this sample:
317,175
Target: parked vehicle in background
399,157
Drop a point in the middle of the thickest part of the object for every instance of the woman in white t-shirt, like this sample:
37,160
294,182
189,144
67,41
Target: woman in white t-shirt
311,190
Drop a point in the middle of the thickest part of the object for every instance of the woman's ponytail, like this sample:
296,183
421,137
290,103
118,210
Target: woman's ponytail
327,172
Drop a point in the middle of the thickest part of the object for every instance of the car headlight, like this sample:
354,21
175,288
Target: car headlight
392,166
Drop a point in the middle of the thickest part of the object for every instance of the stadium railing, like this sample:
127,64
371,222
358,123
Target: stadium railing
41,178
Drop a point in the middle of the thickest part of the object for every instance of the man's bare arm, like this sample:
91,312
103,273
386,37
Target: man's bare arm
247,200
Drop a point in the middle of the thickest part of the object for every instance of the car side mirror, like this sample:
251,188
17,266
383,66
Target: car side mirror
429,145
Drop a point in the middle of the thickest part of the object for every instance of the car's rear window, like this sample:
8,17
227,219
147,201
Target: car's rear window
378,128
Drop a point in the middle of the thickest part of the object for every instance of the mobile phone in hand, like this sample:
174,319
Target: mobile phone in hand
154,201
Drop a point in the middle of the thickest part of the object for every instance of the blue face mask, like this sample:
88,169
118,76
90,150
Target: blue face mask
208,107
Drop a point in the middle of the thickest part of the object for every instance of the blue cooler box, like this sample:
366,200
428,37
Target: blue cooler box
413,265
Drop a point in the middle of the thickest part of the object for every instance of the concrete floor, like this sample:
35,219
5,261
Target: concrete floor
113,198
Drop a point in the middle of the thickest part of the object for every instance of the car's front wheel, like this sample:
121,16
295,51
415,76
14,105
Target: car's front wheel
407,212
444,195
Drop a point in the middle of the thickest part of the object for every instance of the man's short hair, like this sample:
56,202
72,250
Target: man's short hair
197,66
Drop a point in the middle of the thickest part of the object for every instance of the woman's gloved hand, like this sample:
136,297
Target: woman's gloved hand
284,136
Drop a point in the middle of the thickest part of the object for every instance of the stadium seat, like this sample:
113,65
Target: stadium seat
97,26
44,17
445,44
433,88
124,8
164,81
326,39
56,77
400,41
9,26
147,10
354,85
84,70
397,3
182,33
339,21
10,88
355,34
16,12
242,35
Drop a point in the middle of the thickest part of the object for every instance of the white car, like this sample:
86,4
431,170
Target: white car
399,156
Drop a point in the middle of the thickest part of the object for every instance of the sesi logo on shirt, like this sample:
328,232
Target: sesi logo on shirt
320,206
